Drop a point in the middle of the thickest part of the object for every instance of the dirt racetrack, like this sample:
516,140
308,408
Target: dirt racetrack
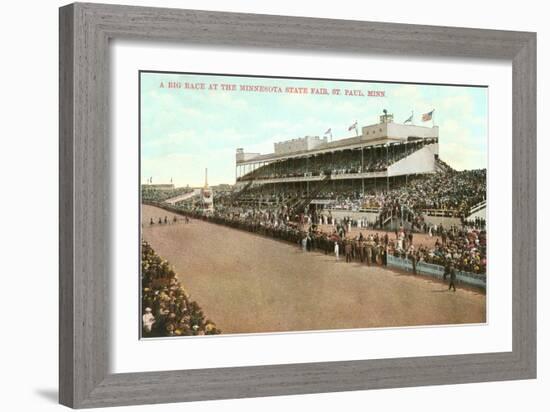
248,283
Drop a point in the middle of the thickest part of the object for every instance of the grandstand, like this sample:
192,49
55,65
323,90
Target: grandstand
346,177
196,198
385,150
382,155
161,192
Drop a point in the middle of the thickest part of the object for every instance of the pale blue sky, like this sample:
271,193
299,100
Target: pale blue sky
184,131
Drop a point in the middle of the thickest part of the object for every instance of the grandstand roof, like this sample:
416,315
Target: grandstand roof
387,133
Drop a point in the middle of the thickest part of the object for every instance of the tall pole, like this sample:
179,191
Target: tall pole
307,176
387,167
362,171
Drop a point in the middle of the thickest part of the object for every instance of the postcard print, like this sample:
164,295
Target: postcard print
293,205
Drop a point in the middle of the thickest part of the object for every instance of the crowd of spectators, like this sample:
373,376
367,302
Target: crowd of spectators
465,249
452,192
154,194
167,309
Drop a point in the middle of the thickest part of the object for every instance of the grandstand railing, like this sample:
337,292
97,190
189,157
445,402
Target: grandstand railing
441,212
366,175
478,207
370,209
437,271
316,178
288,179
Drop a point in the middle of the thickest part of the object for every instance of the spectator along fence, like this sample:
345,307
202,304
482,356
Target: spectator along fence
436,271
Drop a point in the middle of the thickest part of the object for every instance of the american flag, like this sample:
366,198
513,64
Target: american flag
426,117
353,126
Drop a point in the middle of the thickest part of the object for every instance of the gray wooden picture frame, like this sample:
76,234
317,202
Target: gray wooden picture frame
85,32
